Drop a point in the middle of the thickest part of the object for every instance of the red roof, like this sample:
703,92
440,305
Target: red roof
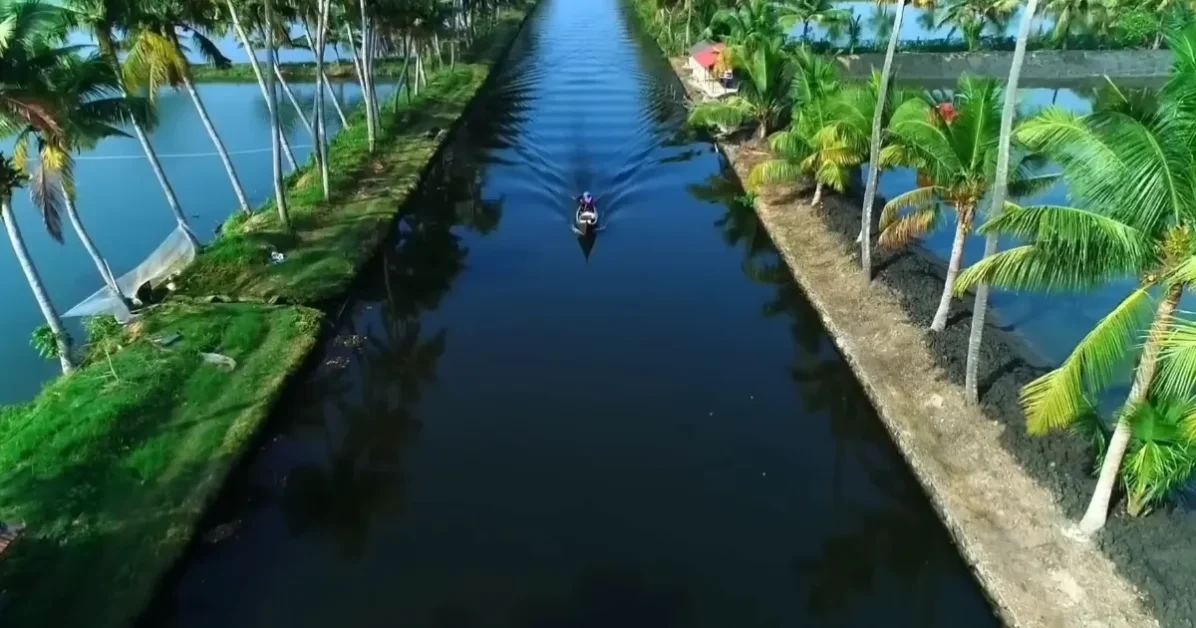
708,57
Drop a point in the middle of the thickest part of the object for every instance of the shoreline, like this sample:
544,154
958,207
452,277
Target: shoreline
114,468
1042,68
1008,526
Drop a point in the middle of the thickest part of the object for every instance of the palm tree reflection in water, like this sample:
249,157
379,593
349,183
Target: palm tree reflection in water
374,376
885,536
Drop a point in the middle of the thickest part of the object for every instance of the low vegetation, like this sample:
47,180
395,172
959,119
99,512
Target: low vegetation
110,468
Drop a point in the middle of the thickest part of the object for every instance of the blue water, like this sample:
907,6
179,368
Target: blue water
654,431
125,212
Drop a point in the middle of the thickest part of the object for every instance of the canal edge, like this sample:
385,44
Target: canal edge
1008,528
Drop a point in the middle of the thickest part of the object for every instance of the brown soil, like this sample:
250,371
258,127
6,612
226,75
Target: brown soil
997,490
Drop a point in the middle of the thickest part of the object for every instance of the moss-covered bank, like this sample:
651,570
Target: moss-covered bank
112,467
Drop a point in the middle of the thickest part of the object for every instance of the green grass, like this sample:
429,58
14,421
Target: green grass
384,69
112,474
330,242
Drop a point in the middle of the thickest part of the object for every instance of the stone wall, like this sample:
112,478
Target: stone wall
1040,65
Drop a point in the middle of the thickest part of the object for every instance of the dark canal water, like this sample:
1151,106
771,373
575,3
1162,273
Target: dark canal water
504,433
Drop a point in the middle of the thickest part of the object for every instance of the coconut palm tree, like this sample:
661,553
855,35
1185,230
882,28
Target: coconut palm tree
280,197
157,59
953,146
90,108
755,21
234,16
972,17
27,100
812,146
102,19
997,199
765,90
1072,15
1129,170
874,158
853,111
820,12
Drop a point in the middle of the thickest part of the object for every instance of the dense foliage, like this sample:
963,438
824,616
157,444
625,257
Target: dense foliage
1131,170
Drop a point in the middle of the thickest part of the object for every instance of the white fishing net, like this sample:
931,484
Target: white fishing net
172,256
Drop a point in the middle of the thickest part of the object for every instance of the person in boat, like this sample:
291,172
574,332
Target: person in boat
586,210
587,202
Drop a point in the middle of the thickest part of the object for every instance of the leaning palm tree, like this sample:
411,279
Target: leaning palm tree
953,147
765,90
90,108
157,59
27,100
1130,171
812,146
102,19
997,200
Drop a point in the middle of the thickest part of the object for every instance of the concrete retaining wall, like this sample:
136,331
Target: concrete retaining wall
1040,65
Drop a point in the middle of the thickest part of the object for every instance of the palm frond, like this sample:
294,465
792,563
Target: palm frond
1058,398
773,172
210,51
910,227
154,62
917,200
1083,238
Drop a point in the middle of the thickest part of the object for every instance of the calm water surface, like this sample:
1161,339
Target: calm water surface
506,433
126,213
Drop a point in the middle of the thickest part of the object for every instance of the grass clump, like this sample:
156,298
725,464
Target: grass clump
112,467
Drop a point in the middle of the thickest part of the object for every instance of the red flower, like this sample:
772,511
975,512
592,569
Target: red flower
947,111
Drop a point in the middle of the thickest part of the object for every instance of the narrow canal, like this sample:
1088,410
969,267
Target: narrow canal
509,430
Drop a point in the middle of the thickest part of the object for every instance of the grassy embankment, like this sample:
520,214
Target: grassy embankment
385,69
112,467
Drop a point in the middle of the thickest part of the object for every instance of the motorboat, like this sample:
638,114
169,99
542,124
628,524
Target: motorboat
585,220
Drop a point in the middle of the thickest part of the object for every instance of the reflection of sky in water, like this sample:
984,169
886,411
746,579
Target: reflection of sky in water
914,24
1053,324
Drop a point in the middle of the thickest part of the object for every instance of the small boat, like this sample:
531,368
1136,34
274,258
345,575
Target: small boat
585,222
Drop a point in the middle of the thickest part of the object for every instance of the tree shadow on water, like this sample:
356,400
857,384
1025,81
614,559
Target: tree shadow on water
605,597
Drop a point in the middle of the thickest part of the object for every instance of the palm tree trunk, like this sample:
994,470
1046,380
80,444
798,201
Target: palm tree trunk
689,18
72,212
257,72
280,197
323,83
816,201
961,236
402,75
321,130
108,50
370,123
286,89
218,143
873,171
1098,507
353,54
1000,189
35,284
167,189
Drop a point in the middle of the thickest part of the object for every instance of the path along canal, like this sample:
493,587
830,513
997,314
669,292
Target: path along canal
505,433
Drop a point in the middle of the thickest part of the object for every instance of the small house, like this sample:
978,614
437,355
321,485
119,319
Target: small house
713,78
